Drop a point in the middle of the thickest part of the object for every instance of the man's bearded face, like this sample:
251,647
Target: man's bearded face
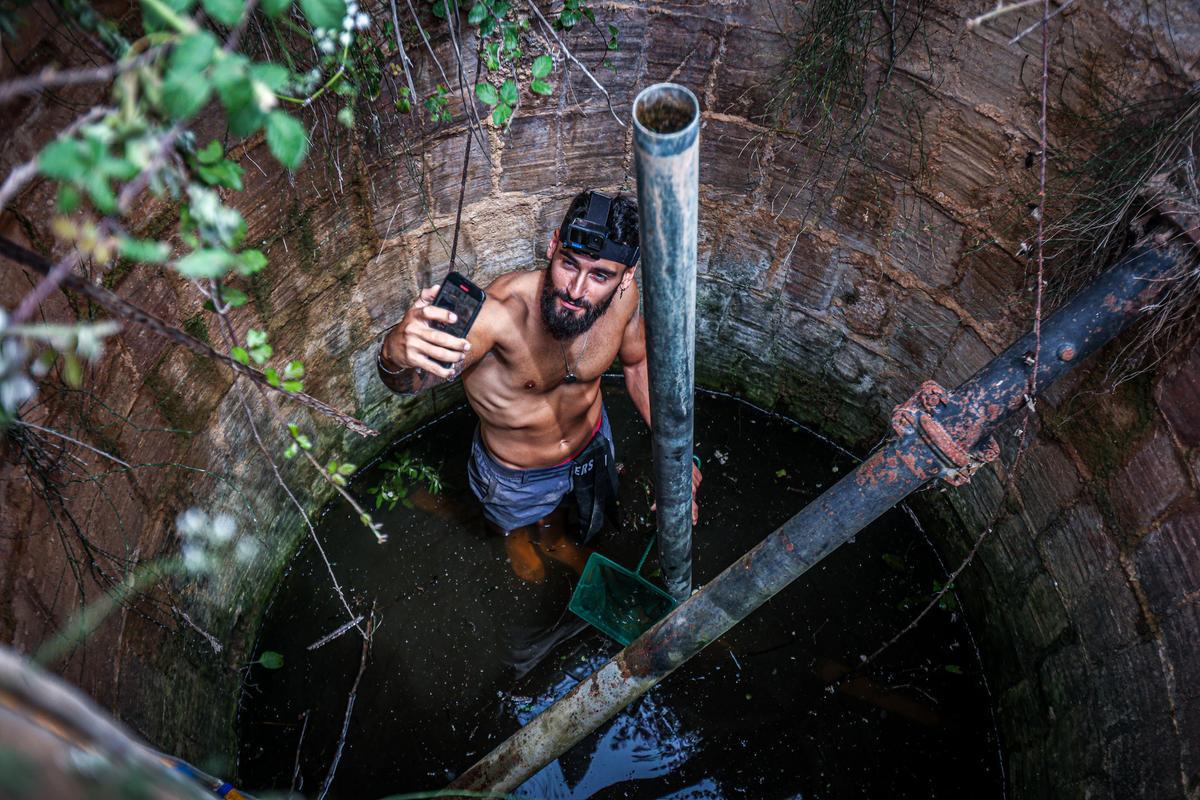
564,323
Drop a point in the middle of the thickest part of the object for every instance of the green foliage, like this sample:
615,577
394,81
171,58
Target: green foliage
438,104
324,13
270,660
226,12
286,139
400,478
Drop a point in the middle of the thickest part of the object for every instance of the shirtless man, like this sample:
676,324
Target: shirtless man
531,367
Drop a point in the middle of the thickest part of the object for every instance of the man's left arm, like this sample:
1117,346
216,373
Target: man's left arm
637,382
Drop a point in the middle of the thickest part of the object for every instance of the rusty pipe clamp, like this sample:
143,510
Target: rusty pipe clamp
916,416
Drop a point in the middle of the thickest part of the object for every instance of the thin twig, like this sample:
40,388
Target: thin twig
1034,26
228,332
297,780
404,61
578,63
329,637
123,309
1031,387
51,78
48,283
1000,8
362,667
467,94
23,174
212,640
72,440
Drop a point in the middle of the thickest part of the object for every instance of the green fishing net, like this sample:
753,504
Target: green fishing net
618,601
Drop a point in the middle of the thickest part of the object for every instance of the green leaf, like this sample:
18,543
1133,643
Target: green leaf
273,8
184,95
508,92
338,479
293,428
501,114
345,116
62,159
193,54
293,386
331,466
487,93
211,153
260,355
272,377
286,139
256,338
68,198
539,86
324,13
206,263
147,251
291,451
273,75
304,442
271,660
156,22
439,9
226,12
347,469
226,174
240,355
542,66
568,19
477,14
781,473
293,371
954,669
233,83
250,262
245,120
234,298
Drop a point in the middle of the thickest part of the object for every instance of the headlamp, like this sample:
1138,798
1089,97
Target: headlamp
589,234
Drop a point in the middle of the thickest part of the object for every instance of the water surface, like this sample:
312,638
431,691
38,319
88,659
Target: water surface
759,714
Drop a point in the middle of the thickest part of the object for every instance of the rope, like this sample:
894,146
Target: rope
462,184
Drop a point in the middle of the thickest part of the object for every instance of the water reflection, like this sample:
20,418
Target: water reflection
646,740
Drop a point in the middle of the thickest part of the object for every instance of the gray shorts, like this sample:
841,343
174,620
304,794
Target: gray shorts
513,498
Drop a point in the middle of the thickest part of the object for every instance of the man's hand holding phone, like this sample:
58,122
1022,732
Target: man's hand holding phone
416,343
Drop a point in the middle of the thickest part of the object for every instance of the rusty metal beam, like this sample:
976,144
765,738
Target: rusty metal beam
936,434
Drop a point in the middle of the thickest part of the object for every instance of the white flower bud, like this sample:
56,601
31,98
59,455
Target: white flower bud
191,522
327,46
223,528
362,20
246,551
348,23
345,38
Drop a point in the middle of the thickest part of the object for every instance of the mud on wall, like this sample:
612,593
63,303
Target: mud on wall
830,287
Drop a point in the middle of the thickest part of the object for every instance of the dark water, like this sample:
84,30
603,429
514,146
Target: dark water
754,715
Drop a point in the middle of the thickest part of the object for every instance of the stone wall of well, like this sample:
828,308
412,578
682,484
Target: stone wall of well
832,282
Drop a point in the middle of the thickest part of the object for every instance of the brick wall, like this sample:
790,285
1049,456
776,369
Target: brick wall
831,284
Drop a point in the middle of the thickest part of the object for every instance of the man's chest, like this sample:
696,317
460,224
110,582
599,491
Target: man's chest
540,362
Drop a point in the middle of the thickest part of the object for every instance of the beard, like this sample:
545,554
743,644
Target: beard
565,324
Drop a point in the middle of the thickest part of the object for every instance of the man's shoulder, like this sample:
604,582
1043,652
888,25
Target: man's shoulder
508,299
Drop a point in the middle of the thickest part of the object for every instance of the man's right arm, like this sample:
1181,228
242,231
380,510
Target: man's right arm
411,356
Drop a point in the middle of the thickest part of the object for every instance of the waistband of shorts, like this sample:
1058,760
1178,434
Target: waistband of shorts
526,475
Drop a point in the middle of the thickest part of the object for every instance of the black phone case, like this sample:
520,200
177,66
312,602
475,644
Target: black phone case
451,296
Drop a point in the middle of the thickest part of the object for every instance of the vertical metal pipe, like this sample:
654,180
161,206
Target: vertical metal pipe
936,435
666,148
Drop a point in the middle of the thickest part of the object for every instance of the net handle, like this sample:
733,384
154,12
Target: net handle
645,554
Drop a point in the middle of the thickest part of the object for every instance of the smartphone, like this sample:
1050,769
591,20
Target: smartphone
459,295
